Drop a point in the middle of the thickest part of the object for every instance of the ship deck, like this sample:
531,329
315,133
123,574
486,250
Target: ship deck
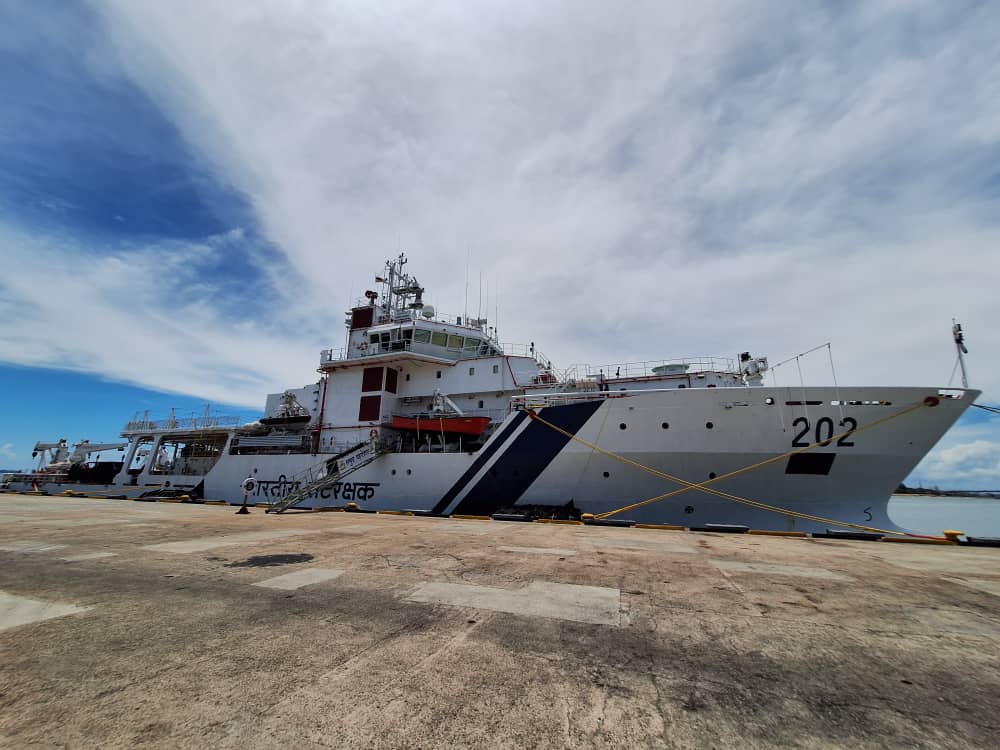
176,625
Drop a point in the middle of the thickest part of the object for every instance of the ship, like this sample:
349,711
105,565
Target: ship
427,413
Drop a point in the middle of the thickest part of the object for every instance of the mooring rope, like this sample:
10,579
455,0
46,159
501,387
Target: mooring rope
928,402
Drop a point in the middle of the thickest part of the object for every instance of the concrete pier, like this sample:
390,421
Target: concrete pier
175,625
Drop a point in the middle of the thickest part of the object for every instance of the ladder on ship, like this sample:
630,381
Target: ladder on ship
330,472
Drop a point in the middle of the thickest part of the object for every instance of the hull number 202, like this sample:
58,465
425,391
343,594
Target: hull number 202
824,432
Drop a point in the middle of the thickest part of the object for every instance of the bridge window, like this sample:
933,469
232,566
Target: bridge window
439,338
454,342
471,345
422,336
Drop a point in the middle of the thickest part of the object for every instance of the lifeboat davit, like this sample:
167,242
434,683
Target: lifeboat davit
442,423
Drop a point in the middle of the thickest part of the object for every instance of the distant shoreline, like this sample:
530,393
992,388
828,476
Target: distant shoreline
970,494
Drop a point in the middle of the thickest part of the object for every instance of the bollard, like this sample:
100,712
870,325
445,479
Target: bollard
249,485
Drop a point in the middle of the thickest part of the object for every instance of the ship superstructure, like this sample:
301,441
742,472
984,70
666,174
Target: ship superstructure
431,413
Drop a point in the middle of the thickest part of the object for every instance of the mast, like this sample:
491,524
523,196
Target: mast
956,332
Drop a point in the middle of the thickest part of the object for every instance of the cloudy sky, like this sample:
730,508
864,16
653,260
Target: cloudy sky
192,193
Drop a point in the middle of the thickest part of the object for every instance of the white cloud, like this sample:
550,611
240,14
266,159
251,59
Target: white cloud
967,457
640,183
978,461
142,316
7,452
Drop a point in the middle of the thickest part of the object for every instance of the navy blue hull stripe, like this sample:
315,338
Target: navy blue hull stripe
526,458
484,455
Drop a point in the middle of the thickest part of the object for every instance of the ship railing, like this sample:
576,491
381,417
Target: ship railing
33,476
484,348
331,355
463,321
185,424
541,400
649,368
526,350
324,468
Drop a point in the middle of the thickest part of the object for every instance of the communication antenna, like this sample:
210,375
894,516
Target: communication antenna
480,313
956,332
465,312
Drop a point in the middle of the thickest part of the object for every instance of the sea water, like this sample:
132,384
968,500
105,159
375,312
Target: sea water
932,514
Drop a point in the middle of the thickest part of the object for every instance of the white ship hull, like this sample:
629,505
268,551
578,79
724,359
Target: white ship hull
527,463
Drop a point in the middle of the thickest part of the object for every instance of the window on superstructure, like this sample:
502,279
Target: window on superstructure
496,369
370,408
371,379
454,342
471,345
439,338
422,336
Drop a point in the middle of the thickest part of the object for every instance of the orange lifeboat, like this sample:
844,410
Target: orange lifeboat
442,423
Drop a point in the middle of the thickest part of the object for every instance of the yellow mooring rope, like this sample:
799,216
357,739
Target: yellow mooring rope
929,402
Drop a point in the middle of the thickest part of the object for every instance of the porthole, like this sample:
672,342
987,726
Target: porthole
438,373
689,509
409,471
709,425
665,425
711,475
607,474
407,377
622,426
769,401
393,472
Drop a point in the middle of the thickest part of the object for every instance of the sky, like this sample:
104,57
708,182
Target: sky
192,193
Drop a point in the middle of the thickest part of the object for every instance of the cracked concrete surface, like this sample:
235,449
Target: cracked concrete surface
788,643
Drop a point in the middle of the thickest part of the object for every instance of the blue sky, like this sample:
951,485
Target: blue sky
192,193
56,404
